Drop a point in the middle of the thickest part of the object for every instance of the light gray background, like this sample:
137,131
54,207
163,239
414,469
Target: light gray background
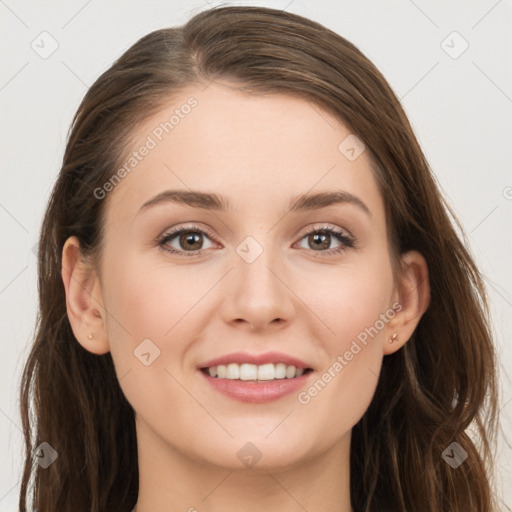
460,109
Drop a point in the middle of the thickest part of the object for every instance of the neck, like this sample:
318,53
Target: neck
169,481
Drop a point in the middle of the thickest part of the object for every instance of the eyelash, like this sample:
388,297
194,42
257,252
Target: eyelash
341,236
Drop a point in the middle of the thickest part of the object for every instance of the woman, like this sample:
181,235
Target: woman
323,342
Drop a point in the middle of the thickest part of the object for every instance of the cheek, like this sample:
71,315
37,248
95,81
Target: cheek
160,303
154,315
151,297
348,300
354,305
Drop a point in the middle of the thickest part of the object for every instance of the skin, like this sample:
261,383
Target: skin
257,152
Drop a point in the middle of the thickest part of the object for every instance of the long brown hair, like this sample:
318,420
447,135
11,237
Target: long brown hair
441,382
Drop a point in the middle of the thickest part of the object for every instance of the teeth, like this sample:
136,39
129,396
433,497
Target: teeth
233,371
247,371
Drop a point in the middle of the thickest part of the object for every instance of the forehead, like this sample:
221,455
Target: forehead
255,150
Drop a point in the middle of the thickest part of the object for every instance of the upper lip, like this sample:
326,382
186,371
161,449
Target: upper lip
257,359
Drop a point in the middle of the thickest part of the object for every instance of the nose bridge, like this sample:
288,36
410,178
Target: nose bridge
258,295
256,256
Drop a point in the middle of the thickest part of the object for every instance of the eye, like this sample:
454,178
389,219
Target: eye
189,240
320,239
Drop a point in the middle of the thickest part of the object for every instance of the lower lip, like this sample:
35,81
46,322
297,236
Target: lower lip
257,392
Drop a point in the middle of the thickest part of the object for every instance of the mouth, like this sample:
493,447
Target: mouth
256,378
256,384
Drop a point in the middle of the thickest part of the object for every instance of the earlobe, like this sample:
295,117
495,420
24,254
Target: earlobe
413,296
84,303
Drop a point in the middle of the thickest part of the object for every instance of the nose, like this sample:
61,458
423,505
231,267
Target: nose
258,296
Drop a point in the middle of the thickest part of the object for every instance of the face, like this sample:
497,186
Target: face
313,282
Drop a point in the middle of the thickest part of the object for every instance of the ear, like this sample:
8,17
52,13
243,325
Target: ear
84,303
412,298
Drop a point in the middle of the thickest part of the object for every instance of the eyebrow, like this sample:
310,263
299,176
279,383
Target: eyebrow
210,201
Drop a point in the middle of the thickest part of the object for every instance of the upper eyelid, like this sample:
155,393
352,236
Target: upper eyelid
175,231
